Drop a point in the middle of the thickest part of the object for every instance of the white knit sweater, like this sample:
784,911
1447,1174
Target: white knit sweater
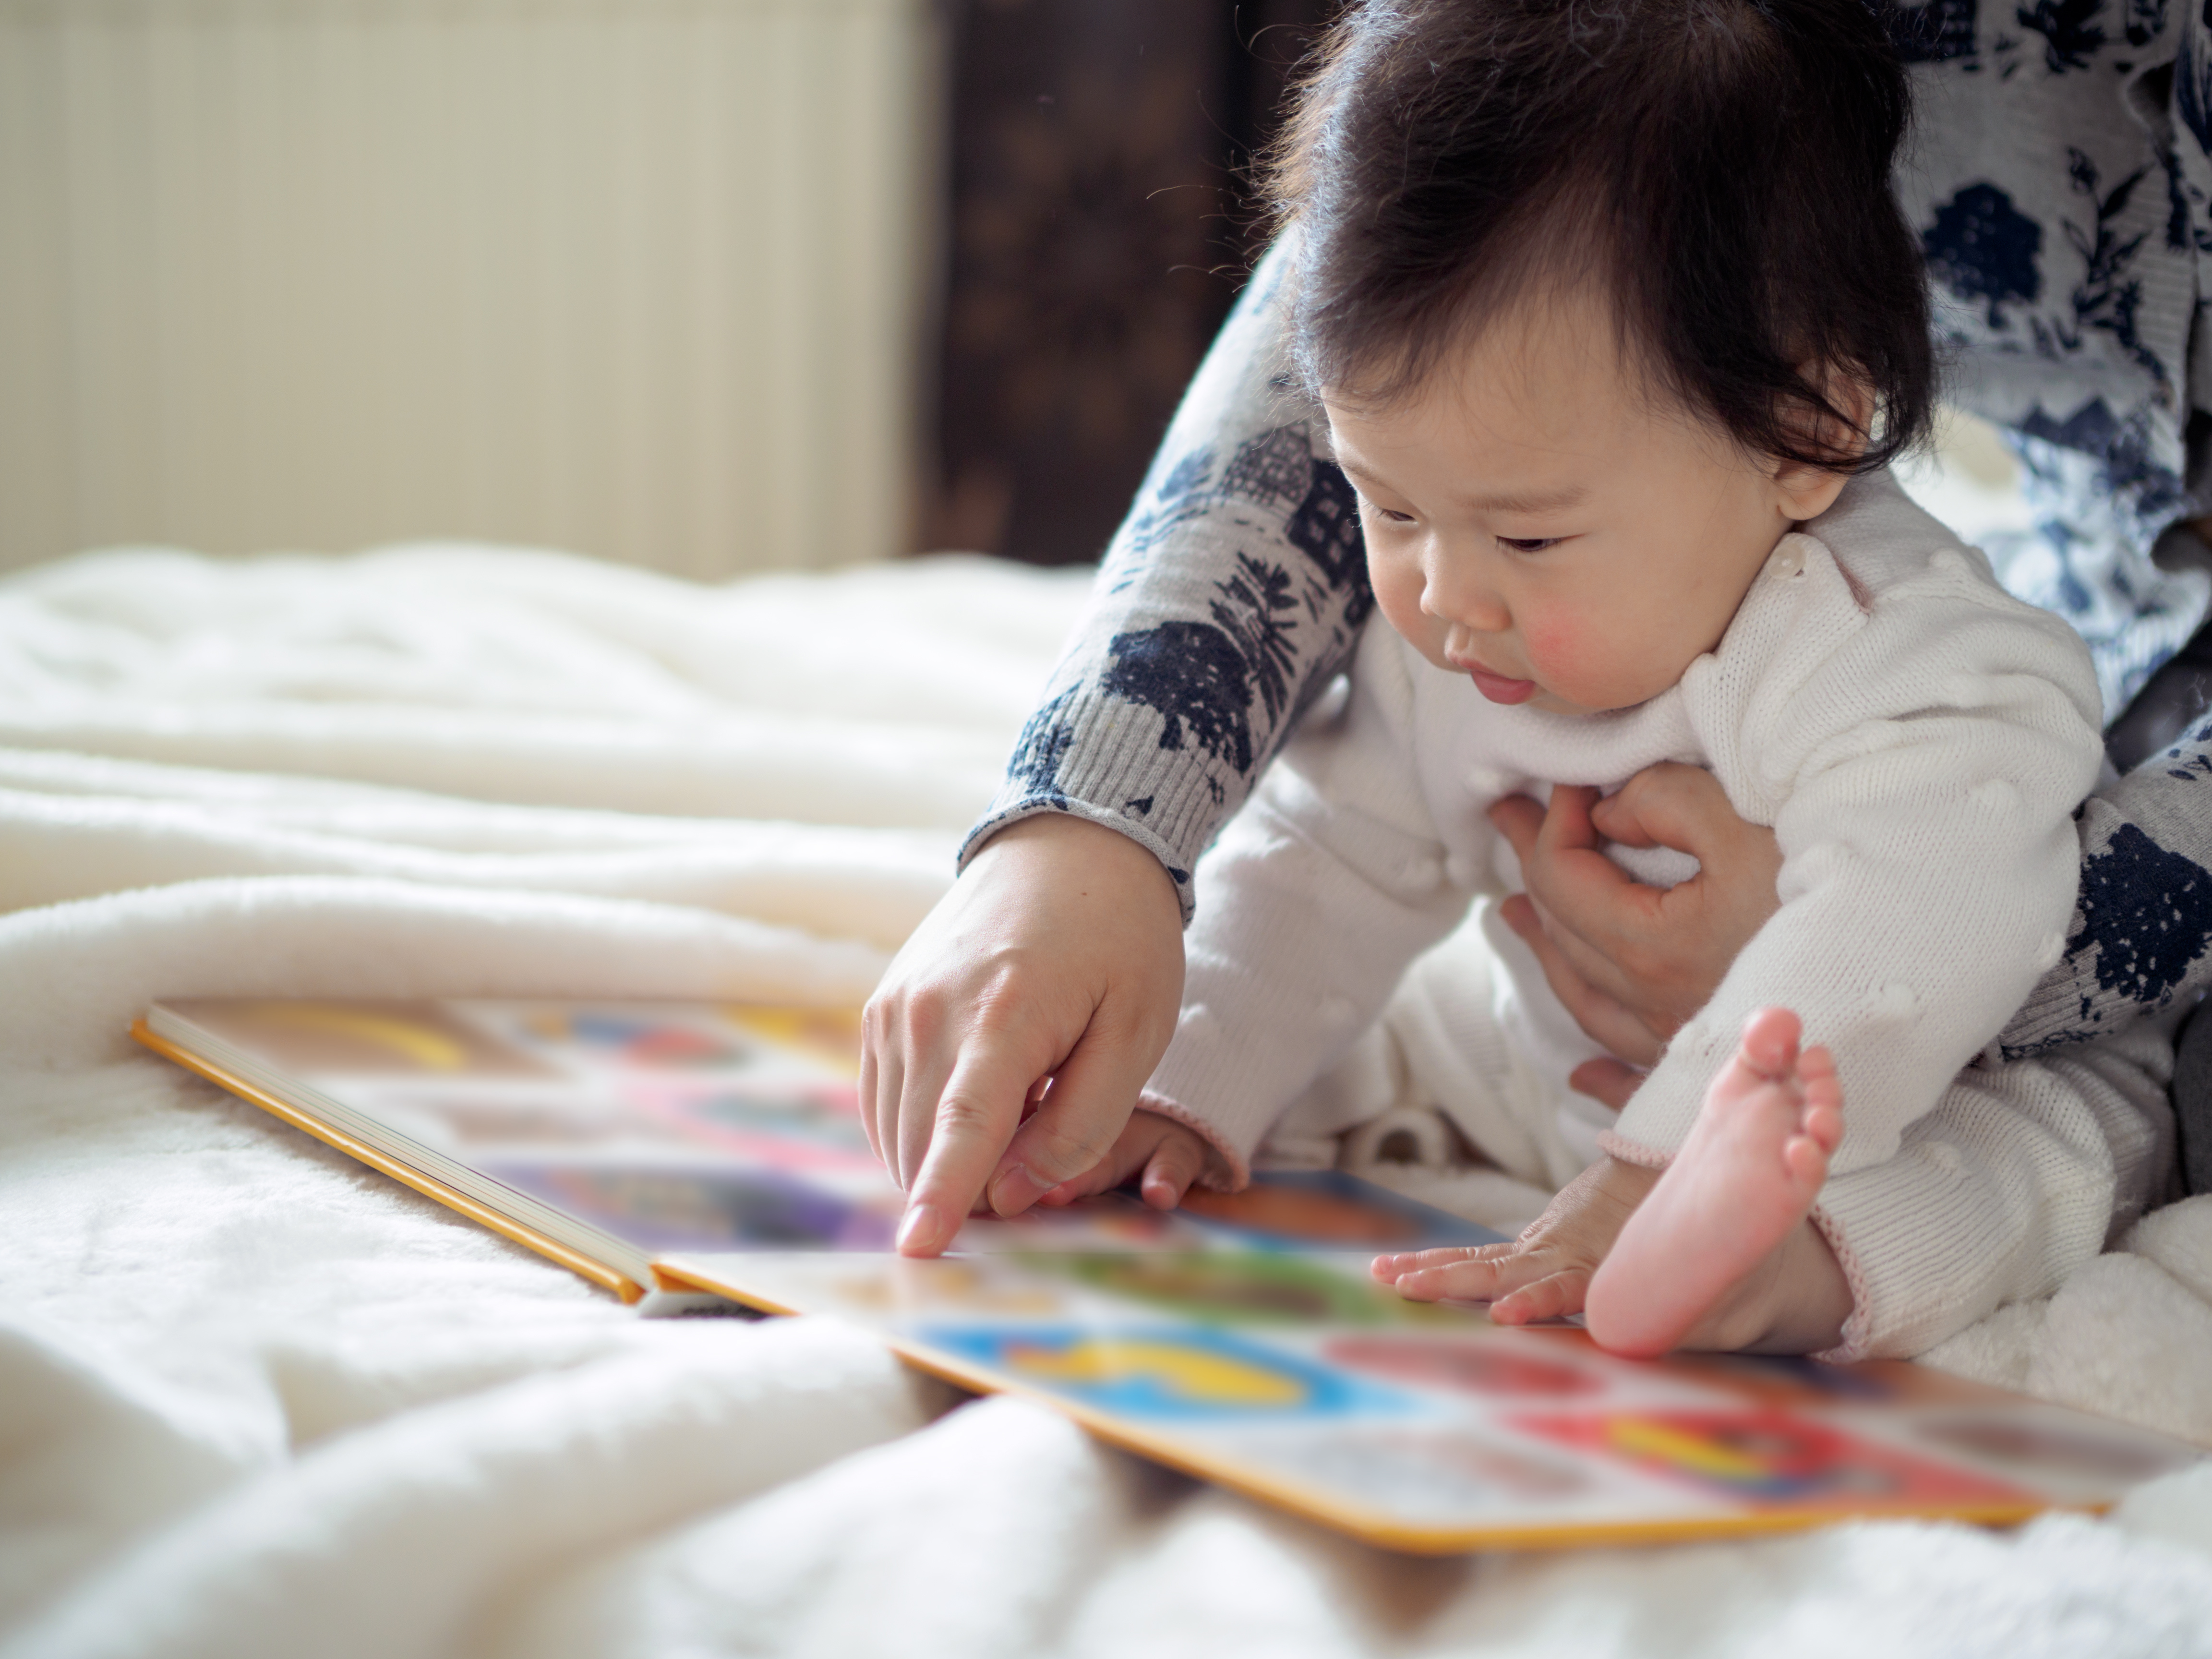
1916,738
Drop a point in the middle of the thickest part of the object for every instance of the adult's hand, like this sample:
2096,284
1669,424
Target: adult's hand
1055,960
1632,962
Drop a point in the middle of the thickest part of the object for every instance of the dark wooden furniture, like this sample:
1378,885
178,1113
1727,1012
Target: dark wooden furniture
1099,230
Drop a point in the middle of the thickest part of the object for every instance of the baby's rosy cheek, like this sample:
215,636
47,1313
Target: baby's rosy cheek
1555,648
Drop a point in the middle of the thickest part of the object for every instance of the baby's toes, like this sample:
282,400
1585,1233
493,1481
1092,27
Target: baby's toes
1822,1117
1824,1126
1807,1161
1768,1048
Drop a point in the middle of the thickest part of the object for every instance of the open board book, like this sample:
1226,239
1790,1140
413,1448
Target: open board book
714,1148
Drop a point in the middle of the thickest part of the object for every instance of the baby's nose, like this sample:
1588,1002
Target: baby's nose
1469,611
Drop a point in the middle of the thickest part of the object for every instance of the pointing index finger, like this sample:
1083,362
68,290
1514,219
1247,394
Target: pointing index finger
975,1118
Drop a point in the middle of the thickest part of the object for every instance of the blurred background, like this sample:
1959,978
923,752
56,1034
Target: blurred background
706,286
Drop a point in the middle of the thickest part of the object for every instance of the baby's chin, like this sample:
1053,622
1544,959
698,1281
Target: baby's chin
1554,703
1610,700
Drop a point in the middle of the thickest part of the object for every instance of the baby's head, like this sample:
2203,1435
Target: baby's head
1601,297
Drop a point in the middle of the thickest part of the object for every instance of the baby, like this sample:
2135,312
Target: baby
1615,325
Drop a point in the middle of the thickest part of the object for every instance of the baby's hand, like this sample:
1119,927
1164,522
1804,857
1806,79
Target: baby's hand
1546,1272
1171,1155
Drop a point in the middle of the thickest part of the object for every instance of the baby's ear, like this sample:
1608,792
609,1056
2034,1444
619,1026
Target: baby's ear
1806,490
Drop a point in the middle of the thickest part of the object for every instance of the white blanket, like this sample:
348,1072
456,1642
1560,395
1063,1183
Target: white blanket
256,1399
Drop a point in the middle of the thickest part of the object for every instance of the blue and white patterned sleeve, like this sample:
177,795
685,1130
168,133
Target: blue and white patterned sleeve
2142,936
1231,596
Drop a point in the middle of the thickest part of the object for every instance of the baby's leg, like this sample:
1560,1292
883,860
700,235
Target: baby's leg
2020,1174
1721,1253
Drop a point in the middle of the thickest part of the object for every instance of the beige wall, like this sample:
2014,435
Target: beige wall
637,278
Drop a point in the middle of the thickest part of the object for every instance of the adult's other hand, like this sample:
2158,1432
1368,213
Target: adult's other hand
1631,962
1049,977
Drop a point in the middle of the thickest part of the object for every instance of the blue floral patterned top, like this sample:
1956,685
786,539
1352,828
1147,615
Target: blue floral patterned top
2060,180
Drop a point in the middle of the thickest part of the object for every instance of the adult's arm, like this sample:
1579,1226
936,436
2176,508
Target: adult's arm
1228,599
1627,962
2142,934
1231,596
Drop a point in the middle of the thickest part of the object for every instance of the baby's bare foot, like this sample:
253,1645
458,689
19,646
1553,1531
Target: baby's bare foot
1744,1180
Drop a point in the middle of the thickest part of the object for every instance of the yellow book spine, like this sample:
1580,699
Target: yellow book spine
583,1267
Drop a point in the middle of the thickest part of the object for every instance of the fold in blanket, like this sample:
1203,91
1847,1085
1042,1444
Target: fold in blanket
256,1399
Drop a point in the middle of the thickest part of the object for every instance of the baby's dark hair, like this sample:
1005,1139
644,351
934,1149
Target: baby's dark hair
1722,166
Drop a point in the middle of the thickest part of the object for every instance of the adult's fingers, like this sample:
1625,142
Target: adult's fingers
865,1094
1602,1015
1084,1114
1700,925
889,1074
1057,924
1520,820
1672,805
933,1042
1657,952
1597,963
974,1115
1128,1154
1564,827
1605,1080
1585,897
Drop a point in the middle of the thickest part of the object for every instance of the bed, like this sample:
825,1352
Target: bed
257,1400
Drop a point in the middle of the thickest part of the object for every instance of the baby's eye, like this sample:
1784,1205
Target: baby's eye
1528,543
1392,514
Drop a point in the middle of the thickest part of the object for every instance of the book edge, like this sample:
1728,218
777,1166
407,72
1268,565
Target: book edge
1254,1480
584,1267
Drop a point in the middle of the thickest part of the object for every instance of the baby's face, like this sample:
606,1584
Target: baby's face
1538,520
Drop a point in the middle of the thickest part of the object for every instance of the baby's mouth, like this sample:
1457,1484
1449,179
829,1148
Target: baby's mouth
1498,688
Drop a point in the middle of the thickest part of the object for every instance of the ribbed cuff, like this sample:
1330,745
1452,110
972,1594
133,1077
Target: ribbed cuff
1855,1336
1914,1237
1665,1106
2067,1006
1029,806
1632,1151
1098,758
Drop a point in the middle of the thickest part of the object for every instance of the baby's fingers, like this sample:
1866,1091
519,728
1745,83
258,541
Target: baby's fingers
1104,1176
1170,1158
1170,1171
1389,1269
1552,1297
1474,1278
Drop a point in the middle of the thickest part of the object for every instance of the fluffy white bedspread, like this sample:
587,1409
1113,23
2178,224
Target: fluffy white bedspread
255,1400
